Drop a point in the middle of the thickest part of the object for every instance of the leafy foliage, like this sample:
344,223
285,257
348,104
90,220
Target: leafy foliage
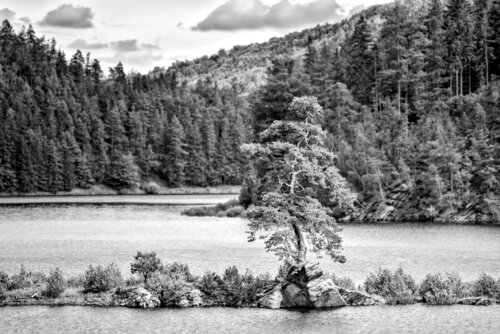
439,289
396,288
293,167
101,279
486,286
145,264
55,284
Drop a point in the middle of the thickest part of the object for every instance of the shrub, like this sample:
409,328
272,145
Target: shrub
171,283
235,211
178,270
145,264
55,284
4,279
100,279
212,285
343,282
396,288
485,286
3,292
151,188
231,208
241,289
26,279
443,289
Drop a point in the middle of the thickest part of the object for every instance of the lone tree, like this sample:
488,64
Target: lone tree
145,264
294,168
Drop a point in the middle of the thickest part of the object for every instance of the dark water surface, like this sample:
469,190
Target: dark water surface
374,319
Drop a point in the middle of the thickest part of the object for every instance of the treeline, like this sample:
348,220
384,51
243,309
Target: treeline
411,100
410,94
64,124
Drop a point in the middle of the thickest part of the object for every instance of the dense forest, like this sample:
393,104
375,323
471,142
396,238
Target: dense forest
410,94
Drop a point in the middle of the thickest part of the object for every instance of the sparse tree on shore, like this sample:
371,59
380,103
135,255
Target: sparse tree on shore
288,215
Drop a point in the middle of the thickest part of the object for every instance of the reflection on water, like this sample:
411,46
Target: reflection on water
376,319
72,237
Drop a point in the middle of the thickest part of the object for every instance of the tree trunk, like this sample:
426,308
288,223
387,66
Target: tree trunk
486,63
399,82
301,245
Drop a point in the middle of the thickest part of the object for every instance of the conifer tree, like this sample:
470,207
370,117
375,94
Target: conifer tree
287,216
173,168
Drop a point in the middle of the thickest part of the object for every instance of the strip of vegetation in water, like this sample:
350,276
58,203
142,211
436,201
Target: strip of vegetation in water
154,284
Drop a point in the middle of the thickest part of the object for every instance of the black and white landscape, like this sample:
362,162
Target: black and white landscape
252,166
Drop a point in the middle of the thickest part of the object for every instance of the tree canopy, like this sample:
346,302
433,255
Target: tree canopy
297,165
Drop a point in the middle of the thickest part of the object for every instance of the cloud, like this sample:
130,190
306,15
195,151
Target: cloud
69,16
7,14
80,43
127,45
150,46
253,14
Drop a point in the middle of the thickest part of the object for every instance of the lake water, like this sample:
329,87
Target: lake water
72,237
376,319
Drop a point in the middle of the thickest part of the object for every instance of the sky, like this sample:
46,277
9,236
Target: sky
148,33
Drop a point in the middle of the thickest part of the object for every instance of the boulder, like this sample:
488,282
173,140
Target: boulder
303,287
139,297
354,298
193,297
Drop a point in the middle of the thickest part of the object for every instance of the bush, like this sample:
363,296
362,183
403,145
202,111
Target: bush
343,282
145,264
55,284
26,279
151,188
485,286
100,279
235,211
171,283
396,288
443,289
233,289
178,270
3,292
4,279
212,285
231,208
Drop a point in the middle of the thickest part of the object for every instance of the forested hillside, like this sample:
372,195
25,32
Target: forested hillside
410,92
63,124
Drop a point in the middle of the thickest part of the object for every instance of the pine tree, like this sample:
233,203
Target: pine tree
359,70
208,143
287,214
173,168
195,161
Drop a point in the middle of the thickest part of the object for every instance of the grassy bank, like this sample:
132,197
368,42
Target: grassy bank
173,285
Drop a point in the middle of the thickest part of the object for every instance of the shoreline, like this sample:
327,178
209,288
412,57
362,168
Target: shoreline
186,199
113,300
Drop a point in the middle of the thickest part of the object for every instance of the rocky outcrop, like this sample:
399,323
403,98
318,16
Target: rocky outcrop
138,297
354,298
476,301
188,298
405,203
304,287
